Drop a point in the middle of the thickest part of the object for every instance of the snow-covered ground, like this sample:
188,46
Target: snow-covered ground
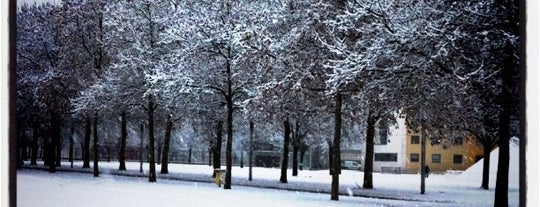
40,188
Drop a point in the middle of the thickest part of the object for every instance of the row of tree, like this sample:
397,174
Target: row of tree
450,67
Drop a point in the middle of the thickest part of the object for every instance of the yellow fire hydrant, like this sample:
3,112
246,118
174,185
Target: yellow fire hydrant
218,179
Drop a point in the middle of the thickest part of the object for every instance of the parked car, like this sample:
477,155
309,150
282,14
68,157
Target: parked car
350,165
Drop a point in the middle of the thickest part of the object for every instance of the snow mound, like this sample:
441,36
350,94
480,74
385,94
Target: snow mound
473,175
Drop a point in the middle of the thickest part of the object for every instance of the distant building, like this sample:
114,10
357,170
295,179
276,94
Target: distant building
458,154
397,150
390,149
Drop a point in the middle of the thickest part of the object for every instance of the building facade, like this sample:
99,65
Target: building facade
442,155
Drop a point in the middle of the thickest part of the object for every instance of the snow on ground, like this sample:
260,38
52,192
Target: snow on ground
475,172
39,188
63,188
309,188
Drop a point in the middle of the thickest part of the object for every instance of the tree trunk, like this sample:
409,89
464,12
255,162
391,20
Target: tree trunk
49,155
141,149
330,155
250,177
486,163
210,157
55,142
295,161
229,101
507,102
96,146
302,153
166,144
217,147
35,145
286,142
57,138
296,146
189,155
22,145
159,147
423,163
368,162
242,159
336,153
87,134
151,153
228,154
71,145
123,137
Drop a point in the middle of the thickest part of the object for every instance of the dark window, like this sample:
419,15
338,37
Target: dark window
386,157
458,141
436,158
415,139
436,141
382,132
415,157
458,159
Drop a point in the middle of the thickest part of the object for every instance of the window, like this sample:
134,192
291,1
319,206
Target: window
386,157
458,159
458,141
415,139
436,158
381,137
436,141
415,157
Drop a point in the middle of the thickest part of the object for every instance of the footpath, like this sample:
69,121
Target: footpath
297,186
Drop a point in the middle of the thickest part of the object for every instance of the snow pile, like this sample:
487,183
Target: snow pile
473,175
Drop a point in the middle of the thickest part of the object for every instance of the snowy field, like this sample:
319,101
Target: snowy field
40,188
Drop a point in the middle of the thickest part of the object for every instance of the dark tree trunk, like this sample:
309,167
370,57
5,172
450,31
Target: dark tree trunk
336,152
151,153
21,152
189,155
96,146
71,145
229,101
55,142
228,154
286,142
507,102
49,155
423,164
210,157
166,144
217,147
250,177
508,12
141,149
56,138
368,162
330,155
35,145
159,147
87,134
486,163
123,137
242,159
296,146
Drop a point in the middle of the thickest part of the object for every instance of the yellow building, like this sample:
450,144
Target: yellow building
442,155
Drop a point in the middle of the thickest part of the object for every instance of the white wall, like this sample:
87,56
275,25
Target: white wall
396,144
